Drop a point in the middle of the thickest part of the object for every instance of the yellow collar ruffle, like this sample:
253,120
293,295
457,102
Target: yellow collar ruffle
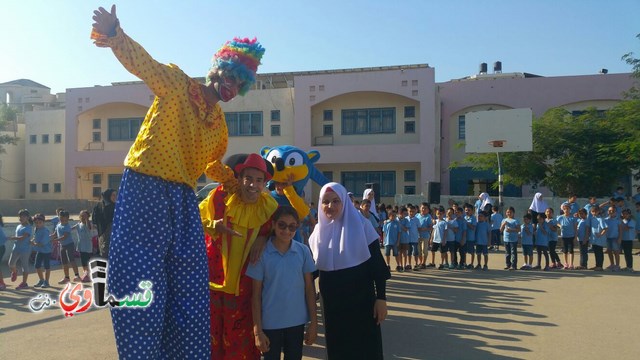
211,115
250,216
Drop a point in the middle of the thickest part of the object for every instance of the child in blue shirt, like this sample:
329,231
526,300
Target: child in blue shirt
42,244
526,239
424,231
470,240
67,248
284,295
85,246
3,240
542,241
483,234
404,237
628,235
598,236
510,229
568,225
438,240
583,239
452,230
21,249
496,221
461,240
552,234
614,238
391,236
414,236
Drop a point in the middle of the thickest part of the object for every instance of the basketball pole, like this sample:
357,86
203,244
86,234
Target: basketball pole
500,183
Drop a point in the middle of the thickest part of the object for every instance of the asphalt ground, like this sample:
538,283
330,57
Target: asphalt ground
433,314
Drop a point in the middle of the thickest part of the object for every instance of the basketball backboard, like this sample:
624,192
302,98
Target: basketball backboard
498,131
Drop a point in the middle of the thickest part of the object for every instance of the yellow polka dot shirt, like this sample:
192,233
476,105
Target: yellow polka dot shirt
181,136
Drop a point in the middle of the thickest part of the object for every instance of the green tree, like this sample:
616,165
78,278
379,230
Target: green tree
572,154
634,92
7,116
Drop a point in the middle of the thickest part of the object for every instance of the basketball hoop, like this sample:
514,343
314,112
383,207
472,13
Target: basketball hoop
497,143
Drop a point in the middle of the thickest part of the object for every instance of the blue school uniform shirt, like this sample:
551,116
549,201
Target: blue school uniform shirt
84,239
630,233
23,245
283,288
496,221
482,236
414,224
3,237
551,234
566,224
42,238
462,229
451,224
614,227
526,239
471,233
64,229
542,238
508,236
390,230
404,234
582,230
425,222
597,224
439,231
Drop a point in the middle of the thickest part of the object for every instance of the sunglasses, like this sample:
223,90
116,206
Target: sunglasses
283,225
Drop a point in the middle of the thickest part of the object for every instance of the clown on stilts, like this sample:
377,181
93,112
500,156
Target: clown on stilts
157,233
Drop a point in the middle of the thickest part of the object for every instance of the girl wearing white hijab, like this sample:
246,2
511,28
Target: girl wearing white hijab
369,194
538,205
353,277
486,200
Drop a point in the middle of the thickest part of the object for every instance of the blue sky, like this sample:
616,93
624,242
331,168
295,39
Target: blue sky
48,41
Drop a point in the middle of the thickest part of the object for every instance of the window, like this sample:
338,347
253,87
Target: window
45,188
409,111
461,127
327,115
404,83
409,127
410,190
327,130
57,138
57,188
125,129
97,192
414,82
244,123
369,121
410,175
356,180
33,188
275,130
97,136
275,115
328,175
202,178
113,181
33,139
45,138
96,179
97,124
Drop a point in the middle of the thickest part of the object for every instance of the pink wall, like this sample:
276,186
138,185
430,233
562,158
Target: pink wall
539,94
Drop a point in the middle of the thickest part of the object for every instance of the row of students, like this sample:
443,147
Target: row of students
32,235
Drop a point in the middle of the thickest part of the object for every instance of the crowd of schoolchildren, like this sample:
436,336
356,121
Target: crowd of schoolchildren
36,242
463,235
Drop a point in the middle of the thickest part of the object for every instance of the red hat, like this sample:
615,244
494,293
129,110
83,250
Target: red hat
254,161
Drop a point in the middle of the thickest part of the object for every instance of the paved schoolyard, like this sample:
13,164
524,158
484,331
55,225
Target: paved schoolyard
434,314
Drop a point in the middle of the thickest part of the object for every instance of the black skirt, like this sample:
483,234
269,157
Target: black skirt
348,297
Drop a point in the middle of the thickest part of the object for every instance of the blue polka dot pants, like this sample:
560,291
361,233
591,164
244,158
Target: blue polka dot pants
157,236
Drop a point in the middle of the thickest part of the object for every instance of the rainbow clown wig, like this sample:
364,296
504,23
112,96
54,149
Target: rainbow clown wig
240,58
